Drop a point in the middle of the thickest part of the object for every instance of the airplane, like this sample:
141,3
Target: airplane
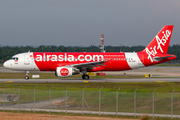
66,64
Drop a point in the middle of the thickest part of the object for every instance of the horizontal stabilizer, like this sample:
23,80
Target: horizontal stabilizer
161,57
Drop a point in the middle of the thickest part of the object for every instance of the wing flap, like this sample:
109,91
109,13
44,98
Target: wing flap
89,65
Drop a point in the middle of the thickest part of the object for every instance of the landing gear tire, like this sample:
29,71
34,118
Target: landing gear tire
82,76
86,77
26,77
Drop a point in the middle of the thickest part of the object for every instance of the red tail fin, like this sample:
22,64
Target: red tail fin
161,41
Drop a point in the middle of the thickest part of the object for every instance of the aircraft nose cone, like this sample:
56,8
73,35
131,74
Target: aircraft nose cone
5,64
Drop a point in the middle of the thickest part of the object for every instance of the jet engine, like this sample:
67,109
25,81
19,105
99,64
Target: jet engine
66,71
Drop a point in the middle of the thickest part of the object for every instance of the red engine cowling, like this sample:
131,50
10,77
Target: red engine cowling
64,71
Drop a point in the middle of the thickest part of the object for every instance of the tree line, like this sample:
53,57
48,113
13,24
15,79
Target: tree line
6,52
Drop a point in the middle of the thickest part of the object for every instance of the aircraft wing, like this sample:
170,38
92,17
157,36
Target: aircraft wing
89,65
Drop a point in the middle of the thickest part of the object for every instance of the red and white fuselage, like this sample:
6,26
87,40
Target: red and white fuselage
154,53
48,61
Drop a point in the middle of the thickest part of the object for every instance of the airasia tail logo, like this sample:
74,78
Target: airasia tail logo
152,51
64,71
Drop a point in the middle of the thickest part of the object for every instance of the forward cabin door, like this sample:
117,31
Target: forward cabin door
26,59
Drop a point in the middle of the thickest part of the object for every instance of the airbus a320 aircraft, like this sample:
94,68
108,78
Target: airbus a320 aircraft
69,63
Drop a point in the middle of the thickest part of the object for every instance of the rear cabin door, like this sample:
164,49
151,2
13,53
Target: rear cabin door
141,57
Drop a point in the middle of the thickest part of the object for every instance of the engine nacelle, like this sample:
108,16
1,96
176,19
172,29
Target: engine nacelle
65,71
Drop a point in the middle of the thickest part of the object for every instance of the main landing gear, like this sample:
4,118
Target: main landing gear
27,75
86,77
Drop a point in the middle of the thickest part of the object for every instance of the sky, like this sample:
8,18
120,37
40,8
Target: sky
81,22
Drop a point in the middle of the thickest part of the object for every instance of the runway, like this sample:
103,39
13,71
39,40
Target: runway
154,70
89,81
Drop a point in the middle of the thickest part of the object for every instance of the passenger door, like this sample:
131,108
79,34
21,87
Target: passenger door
141,57
26,59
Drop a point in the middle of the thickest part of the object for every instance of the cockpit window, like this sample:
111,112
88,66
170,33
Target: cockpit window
14,58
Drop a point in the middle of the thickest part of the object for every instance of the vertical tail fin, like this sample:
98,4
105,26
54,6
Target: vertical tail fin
160,43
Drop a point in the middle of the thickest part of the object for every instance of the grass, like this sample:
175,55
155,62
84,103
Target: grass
90,115
108,96
167,65
124,86
144,117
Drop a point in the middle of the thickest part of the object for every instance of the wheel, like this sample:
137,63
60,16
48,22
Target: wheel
86,77
83,76
26,77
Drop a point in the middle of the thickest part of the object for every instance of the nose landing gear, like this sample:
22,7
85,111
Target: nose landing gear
27,75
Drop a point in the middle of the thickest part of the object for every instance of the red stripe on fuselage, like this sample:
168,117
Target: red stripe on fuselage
48,61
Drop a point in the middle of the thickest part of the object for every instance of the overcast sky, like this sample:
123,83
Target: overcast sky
81,22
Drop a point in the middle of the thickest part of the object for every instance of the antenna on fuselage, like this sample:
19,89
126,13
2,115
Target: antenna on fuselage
29,51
